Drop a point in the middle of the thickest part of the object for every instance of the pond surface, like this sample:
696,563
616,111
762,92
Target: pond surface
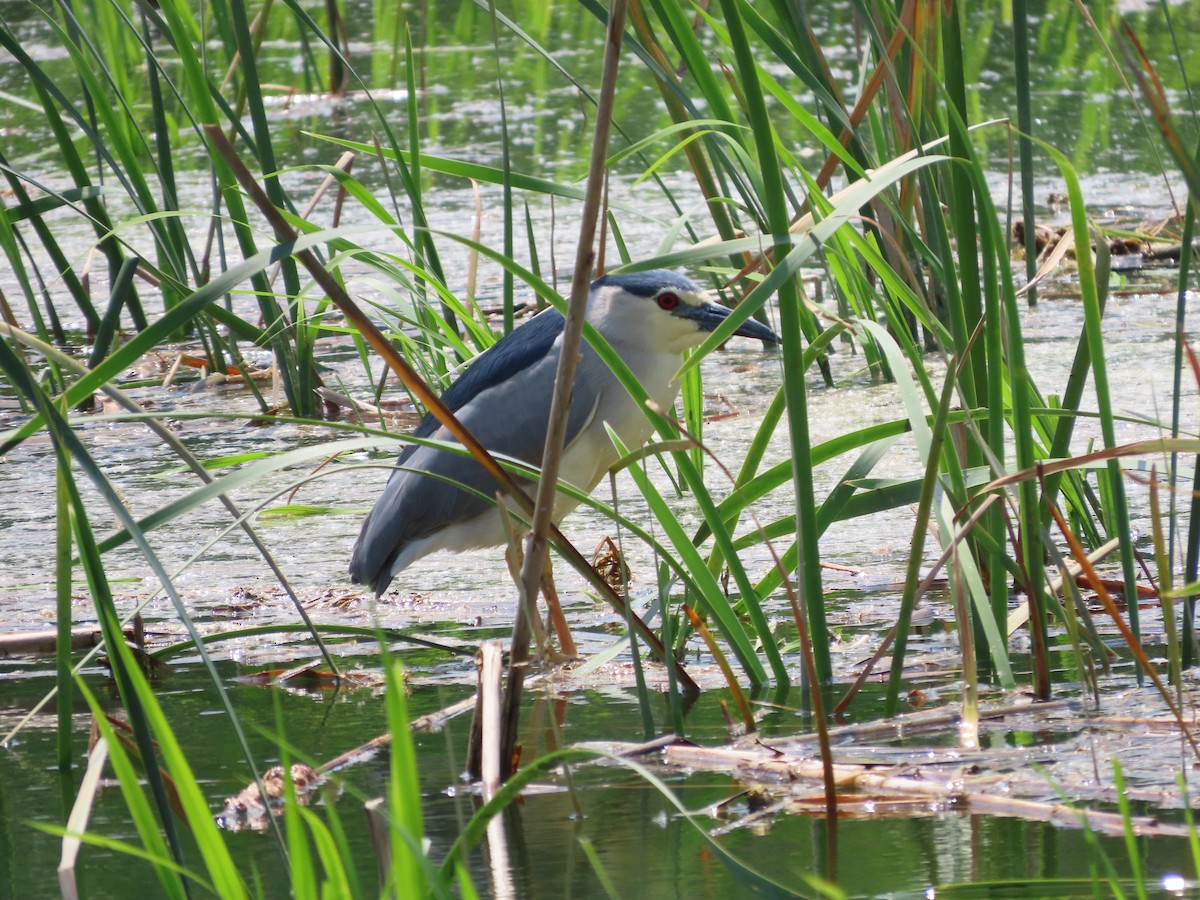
646,848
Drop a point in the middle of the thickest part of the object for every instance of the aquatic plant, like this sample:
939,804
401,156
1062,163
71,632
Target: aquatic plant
899,220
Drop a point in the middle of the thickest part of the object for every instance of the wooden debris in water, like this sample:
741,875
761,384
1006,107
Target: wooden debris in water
608,561
889,779
249,809
1132,244
943,788
232,374
396,413
481,755
45,643
310,677
491,677
234,819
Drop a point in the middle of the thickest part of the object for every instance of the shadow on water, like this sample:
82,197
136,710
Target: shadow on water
646,849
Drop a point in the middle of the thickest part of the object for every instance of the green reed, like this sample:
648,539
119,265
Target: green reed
959,305
915,255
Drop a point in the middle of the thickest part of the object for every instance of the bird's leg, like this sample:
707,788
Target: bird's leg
555,614
514,558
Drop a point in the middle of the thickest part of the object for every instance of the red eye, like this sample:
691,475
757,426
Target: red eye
667,300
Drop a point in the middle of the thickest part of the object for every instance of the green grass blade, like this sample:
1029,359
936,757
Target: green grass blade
713,598
140,812
406,878
63,617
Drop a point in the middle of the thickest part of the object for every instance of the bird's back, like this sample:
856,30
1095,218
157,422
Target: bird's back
504,400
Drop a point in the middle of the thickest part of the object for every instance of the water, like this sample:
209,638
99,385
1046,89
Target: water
645,846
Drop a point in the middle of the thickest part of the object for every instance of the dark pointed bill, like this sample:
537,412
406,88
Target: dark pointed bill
709,315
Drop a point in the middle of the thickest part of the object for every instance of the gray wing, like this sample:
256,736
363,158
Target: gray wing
510,418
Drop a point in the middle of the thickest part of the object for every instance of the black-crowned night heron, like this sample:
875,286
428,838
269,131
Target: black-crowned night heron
649,318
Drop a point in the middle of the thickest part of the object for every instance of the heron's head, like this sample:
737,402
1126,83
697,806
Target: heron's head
660,308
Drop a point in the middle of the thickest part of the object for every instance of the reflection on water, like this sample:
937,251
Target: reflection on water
646,849
645,846
1080,104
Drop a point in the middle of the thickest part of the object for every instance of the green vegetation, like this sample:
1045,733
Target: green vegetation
166,159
